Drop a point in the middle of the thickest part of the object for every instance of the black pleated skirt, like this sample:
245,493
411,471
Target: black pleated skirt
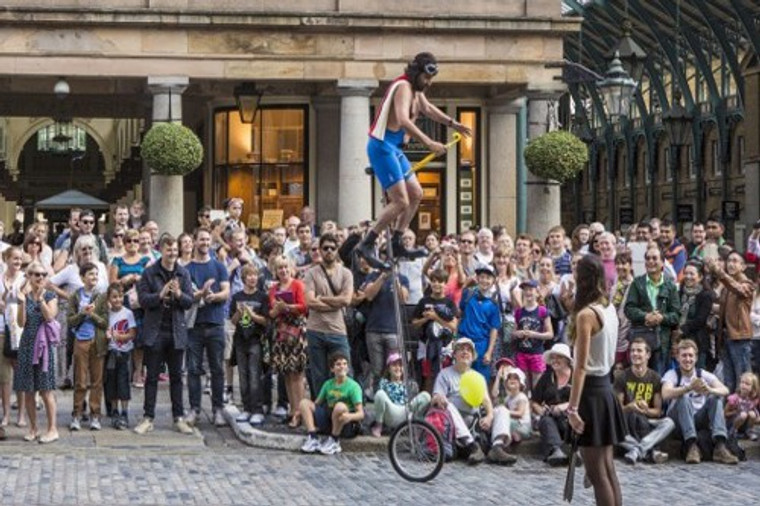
601,413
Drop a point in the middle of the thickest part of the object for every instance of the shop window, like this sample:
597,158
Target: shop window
468,172
264,163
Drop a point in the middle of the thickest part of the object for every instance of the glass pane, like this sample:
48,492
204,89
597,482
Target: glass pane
283,139
468,186
220,138
239,140
430,215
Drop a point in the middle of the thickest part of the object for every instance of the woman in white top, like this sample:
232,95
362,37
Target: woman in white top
10,284
593,412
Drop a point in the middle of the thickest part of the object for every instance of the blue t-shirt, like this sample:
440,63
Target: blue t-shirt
200,272
85,331
531,319
381,316
480,314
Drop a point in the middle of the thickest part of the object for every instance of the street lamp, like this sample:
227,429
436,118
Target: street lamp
632,56
617,89
248,100
677,122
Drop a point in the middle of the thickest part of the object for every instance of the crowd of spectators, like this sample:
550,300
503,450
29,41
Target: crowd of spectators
300,314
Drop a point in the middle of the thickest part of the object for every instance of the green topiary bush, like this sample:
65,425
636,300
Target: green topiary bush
557,155
171,149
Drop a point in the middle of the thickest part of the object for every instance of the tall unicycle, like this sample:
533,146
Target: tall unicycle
415,448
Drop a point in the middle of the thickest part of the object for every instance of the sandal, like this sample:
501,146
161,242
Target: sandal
294,421
30,438
49,439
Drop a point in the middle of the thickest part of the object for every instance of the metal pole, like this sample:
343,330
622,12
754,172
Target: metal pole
521,172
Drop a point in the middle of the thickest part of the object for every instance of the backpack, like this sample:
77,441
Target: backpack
441,420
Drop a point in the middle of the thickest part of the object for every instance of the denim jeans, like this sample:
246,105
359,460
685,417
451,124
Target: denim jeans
163,351
755,352
249,370
688,421
320,346
211,338
735,362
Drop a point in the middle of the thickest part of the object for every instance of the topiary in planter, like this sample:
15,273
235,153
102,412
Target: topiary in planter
557,155
171,149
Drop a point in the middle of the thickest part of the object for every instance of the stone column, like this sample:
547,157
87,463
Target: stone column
327,148
354,186
166,193
502,164
542,195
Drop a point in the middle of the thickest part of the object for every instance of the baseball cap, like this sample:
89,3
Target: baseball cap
485,269
466,341
532,283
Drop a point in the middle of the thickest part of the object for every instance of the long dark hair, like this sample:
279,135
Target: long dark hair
590,287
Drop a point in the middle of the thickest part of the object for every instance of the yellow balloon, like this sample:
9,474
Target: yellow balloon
472,388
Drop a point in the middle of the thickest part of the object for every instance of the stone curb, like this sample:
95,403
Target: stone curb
292,442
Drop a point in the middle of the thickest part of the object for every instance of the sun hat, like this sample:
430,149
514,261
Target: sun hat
392,358
517,372
560,349
466,341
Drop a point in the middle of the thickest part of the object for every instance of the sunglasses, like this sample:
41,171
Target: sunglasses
87,222
329,249
131,241
118,235
466,241
86,248
38,274
651,258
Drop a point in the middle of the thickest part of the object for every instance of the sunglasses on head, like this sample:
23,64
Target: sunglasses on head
430,68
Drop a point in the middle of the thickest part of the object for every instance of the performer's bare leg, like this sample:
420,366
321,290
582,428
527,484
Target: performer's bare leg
600,470
404,199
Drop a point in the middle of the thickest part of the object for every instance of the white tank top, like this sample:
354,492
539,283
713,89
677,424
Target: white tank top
601,355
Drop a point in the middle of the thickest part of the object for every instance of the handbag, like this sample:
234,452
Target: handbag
288,332
649,334
132,298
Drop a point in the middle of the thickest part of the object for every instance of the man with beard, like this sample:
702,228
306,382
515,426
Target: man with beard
404,101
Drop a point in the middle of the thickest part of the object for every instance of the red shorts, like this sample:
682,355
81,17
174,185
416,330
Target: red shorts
530,362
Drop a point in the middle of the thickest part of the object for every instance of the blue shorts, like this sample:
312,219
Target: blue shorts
388,161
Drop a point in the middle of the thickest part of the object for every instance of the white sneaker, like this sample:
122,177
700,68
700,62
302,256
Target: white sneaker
181,426
219,420
192,418
95,424
75,424
311,445
145,426
257,419
330,446
243,417
281,412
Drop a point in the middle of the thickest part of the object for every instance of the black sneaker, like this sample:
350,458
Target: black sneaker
399,251
366,249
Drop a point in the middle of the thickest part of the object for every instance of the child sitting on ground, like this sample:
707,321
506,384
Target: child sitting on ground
121,334
390,399
337,411
742,406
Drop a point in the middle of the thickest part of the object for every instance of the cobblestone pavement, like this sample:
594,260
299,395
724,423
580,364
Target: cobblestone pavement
212,467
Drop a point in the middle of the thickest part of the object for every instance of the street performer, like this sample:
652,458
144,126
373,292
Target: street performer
394,123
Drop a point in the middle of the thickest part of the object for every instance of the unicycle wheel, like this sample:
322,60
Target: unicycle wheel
416,452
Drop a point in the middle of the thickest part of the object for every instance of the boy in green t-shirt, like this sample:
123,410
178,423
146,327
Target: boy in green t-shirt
337,410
